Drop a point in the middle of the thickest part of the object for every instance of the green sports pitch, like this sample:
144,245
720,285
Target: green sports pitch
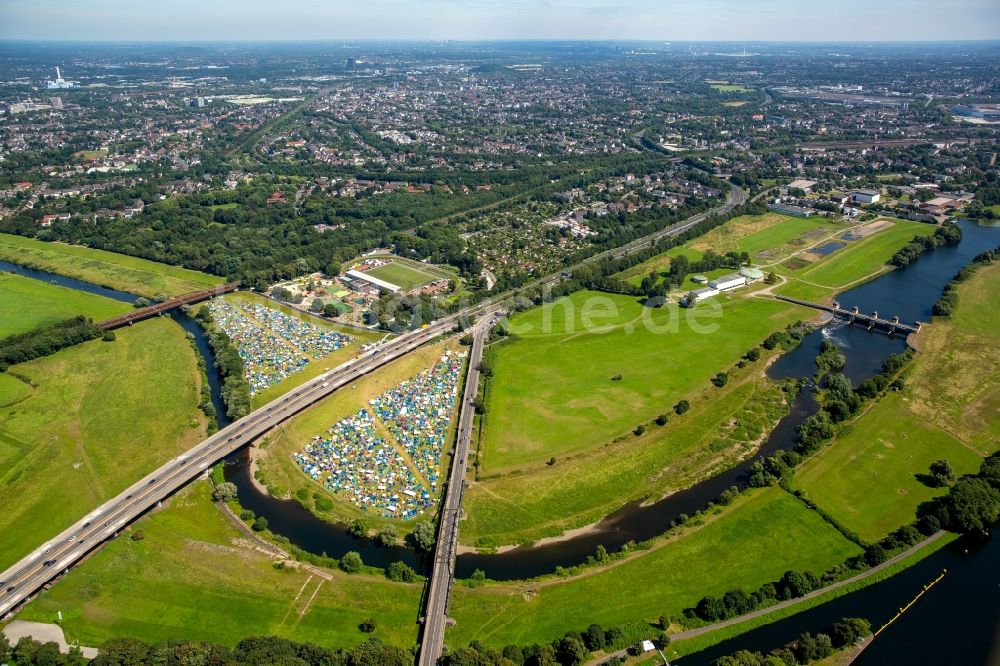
402,275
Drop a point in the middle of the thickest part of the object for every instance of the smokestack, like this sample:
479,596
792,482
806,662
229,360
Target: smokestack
58,75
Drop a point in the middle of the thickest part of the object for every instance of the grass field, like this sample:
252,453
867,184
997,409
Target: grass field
754,541
117,271
100,416
728,88
867,478
194,577
949,408
860,259
768,238
553,394
274,460
13,390
27,303
580,490
402,275
314,368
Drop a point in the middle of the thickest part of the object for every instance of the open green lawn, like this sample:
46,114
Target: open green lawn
402,275
752,542
117,271
729,88
545,501
194,577
867,478
768,238
858,260
101,415
274,459
27,304
552,393
316,367
13,390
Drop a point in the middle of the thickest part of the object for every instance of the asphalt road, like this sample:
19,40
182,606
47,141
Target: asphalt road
443,571
47,562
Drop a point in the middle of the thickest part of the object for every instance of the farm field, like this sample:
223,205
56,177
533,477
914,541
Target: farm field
315,367
13,390
762,535
117,271
946,411
402,275
193,575
27,303
100,416
855,262
552,393
283,477
731,88
580,490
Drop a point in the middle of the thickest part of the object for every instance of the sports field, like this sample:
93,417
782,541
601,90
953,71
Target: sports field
108,269
193,576
576,491
283,476
555,391
866,478
402,275
27,304
100,416
754,541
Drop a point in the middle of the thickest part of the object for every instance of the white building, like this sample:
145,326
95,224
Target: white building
381,284
697,295
727,282
865,196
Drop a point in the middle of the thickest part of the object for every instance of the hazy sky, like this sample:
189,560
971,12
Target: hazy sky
785,20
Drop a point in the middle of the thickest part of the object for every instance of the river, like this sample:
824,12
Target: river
909,293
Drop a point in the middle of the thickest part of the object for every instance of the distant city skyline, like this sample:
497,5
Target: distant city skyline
683,20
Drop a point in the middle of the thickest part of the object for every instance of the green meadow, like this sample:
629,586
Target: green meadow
108,269
194,576
95,418
27,303
562,387
867,478
754,541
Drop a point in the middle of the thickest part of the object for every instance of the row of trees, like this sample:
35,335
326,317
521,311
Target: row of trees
807,648
574,648
947,234
47,340
235,387
949,297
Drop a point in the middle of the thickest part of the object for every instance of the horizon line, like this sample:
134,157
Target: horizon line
428,40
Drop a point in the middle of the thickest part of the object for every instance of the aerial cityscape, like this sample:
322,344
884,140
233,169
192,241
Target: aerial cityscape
499,334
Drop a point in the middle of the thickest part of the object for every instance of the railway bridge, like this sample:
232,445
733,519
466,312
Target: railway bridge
155,309
854,316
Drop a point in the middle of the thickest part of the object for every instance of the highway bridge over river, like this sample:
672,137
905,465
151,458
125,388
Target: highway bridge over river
44,564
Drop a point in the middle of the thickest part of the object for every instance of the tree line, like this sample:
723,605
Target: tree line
47,340
947,234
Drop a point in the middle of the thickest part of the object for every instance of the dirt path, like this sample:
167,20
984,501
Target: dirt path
43,633
693,633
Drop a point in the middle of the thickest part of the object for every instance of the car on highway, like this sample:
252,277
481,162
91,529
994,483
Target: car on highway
48,563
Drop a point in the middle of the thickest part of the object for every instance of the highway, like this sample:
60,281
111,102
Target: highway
46,562
443,570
